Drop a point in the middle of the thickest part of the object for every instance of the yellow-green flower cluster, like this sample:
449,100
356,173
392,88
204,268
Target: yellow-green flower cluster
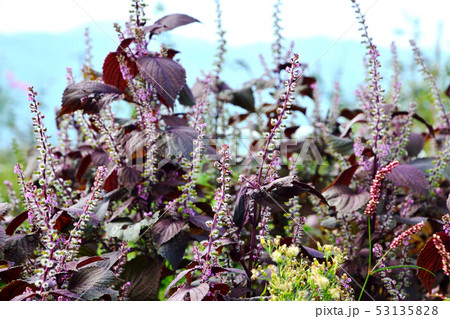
293,277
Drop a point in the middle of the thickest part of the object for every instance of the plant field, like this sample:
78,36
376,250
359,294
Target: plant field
213,193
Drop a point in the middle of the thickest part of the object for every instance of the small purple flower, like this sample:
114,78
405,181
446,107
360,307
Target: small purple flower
446,220
17,170
189,211
377,250
30,217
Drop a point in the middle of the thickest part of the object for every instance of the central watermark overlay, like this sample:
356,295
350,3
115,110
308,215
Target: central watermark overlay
244,152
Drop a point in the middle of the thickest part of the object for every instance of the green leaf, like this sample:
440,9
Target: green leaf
124,228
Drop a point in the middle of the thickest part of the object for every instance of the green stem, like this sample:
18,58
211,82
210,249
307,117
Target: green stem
374,270
379,261
403,266
364,286
369,271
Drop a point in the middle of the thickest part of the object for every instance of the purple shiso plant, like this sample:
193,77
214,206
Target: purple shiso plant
166,204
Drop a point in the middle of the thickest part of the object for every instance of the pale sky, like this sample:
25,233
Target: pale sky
245,21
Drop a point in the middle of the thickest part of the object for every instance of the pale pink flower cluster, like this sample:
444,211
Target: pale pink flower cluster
404,237
445,255
376,185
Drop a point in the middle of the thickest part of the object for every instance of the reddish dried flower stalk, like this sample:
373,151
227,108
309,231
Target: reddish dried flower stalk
445,255
404,237
376,185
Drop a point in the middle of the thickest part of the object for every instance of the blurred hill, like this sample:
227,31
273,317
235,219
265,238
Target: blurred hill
41,60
